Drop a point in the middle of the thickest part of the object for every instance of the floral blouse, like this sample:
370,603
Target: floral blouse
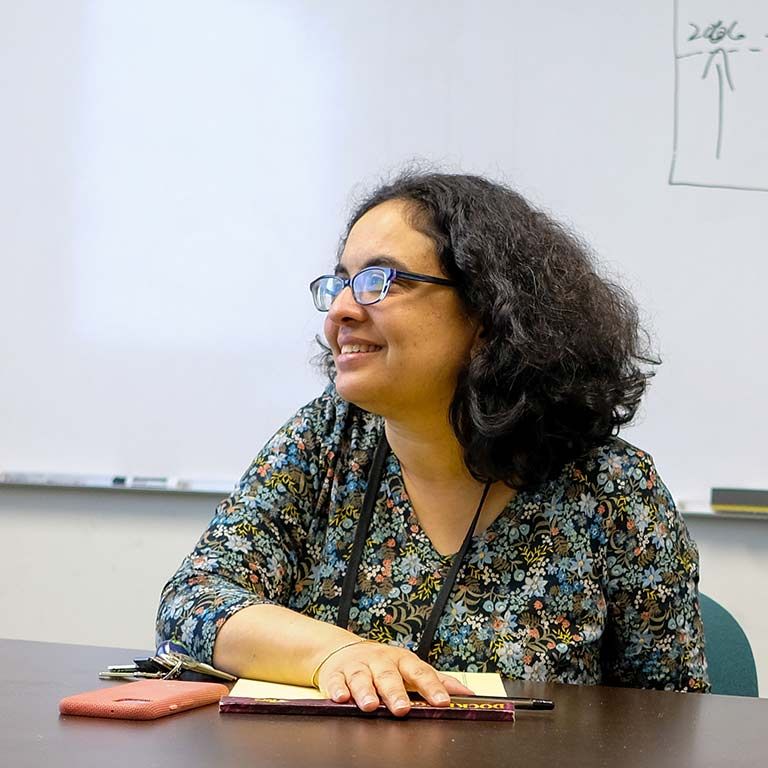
590,578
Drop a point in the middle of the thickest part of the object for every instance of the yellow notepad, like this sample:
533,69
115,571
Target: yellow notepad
482,683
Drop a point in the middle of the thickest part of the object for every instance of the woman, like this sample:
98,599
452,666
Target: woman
479,369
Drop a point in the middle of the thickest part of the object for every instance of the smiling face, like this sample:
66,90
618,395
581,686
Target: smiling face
399,358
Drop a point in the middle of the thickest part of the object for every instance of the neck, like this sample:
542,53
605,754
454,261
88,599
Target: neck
428,451
443,493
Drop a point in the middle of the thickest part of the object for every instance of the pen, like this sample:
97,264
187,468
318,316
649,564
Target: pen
519,702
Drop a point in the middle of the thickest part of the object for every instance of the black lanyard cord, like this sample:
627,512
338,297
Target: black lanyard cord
361,534
425,644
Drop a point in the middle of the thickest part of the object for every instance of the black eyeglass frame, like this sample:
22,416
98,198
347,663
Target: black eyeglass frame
391,275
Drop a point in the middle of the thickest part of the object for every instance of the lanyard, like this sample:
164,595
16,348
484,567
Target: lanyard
361,534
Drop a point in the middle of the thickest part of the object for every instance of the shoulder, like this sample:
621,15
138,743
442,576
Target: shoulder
630,496
322,429
619,468
303,458
617,485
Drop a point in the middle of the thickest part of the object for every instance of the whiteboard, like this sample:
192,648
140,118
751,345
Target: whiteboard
174,174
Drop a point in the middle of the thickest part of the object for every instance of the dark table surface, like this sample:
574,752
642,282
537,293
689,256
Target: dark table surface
590,726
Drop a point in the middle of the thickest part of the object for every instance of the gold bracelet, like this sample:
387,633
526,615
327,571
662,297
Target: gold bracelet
332,653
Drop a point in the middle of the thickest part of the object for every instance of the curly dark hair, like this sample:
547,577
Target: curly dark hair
565,362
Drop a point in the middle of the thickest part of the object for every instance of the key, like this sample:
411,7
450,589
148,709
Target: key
186,663
108,675
123,668
150,664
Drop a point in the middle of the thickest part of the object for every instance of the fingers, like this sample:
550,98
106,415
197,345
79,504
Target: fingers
335,687
390,686
454,687
356,680
360,681
423,679
372,674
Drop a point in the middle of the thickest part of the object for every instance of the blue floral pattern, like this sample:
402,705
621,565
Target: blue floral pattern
590,578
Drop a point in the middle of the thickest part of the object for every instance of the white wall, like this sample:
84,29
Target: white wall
88,566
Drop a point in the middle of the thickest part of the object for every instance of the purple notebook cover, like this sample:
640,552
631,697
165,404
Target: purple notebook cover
503,710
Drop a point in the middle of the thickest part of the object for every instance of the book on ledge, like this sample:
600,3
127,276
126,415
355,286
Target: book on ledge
258,697
739,500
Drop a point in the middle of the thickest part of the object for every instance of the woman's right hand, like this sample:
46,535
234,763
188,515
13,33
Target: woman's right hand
269,642
370,673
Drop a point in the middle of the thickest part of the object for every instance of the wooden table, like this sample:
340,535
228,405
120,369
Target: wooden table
591,726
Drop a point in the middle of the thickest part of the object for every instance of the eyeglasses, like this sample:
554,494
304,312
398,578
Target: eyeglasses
369,285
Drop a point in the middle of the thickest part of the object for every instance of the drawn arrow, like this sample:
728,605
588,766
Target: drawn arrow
723,75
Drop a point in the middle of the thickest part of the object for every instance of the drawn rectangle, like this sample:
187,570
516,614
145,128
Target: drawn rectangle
721,94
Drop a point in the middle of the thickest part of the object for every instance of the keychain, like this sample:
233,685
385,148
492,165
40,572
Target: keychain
170,662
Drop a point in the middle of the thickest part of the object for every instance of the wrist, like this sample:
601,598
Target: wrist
349,643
